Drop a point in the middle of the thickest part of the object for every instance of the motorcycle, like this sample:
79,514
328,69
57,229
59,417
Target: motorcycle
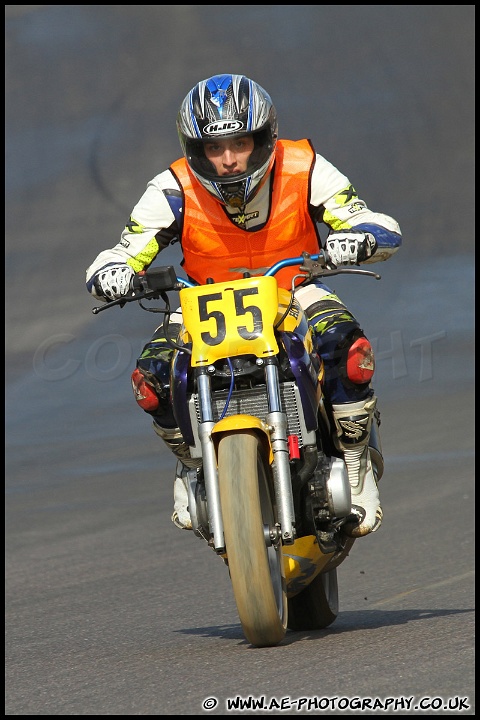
272,493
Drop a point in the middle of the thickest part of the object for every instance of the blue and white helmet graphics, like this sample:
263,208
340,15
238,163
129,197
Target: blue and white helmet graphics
228,106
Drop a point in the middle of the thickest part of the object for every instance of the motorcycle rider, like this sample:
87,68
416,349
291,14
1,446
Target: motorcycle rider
240,199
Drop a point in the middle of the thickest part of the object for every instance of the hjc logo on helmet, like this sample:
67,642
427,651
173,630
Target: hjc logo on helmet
226,126
225,106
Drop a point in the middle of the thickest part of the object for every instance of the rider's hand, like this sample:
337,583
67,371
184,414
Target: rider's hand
349,247
113,281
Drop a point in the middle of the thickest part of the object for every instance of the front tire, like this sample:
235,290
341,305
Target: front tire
256,566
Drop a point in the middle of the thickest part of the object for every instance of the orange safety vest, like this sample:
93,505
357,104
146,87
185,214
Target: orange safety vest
213,245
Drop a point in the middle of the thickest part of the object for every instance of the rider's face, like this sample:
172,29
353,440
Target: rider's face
230,157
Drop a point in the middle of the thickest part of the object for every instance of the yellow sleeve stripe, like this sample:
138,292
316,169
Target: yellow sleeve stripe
145,257
334,222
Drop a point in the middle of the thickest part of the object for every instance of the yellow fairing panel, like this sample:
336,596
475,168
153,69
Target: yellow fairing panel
291,322
231,318
244,422
302,561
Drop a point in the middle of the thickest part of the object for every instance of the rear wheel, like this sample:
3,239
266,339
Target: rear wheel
255,564
316,607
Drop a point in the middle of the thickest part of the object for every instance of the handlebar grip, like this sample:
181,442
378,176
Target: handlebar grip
156,279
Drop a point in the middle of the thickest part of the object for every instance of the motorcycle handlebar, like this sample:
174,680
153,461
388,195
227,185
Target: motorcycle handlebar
154,283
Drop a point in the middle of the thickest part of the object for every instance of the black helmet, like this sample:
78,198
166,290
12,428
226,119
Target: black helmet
228,106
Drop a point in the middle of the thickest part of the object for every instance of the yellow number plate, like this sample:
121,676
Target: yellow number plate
231,318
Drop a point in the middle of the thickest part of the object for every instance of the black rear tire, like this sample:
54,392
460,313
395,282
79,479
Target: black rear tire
315,607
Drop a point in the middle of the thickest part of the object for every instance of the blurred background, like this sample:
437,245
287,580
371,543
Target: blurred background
386,93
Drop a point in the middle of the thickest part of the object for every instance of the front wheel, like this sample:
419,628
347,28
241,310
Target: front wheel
255,564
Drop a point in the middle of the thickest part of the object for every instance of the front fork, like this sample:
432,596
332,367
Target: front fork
209,457
276,431
277,422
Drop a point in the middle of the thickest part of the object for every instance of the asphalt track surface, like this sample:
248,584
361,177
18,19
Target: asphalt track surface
110,610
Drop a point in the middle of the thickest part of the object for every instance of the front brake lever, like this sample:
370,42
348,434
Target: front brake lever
318,268
145,295
314,268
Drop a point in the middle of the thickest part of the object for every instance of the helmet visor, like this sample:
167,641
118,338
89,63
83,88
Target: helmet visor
195,154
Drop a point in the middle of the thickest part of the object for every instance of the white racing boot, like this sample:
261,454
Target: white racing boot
173,438
181,516
353,422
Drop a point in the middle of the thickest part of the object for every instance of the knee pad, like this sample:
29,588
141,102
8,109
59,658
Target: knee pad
354,360
153,396
349,361
151,378
144,391
360,361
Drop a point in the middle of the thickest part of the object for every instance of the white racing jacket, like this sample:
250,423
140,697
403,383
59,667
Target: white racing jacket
156,220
